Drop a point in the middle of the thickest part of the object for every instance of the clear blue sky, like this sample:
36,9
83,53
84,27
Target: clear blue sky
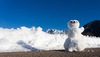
53,14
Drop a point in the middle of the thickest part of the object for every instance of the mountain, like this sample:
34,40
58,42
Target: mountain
92,28
54,31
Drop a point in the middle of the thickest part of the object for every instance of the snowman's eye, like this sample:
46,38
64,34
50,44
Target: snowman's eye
71,21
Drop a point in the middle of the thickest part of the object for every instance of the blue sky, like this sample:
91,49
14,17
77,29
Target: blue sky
53,14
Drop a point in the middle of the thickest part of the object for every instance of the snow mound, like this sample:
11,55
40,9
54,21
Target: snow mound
29,39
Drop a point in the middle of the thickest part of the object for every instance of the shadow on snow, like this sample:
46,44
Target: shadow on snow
23,44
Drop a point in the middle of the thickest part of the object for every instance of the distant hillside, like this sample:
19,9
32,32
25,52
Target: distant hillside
92,28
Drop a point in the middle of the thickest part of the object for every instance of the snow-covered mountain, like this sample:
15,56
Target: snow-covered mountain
54,31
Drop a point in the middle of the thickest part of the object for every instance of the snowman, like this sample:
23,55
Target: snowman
74,42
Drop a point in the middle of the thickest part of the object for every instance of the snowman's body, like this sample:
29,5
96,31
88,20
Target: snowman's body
74,41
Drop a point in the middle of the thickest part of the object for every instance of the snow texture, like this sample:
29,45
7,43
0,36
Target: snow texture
34,39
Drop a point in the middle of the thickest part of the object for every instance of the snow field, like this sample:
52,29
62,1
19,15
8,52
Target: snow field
34,39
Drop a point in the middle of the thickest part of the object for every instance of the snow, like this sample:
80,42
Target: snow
34,39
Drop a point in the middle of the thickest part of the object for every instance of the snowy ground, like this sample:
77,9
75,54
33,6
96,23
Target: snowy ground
34,39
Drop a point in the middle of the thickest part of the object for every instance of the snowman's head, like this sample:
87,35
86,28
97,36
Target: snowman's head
73,24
